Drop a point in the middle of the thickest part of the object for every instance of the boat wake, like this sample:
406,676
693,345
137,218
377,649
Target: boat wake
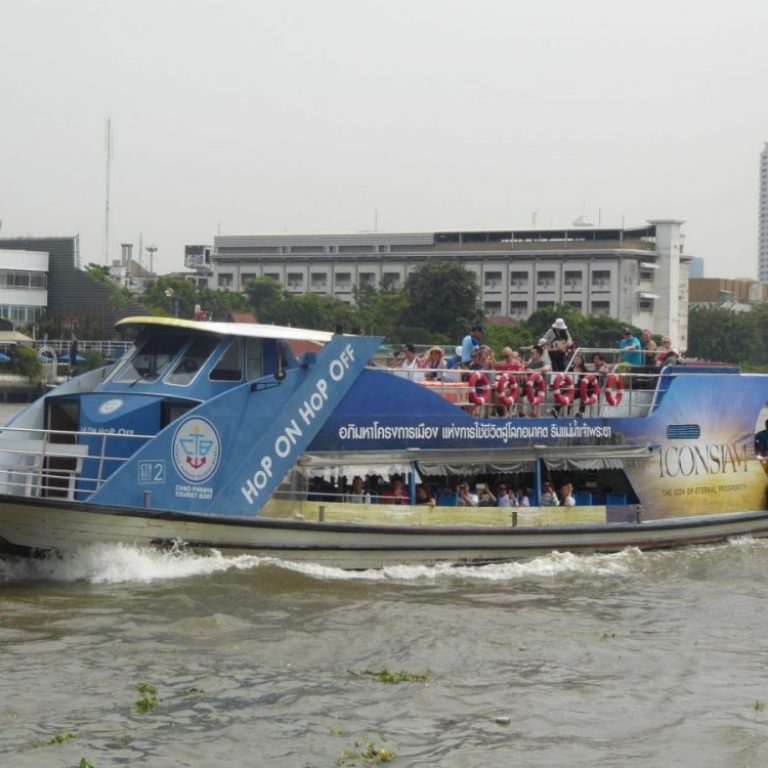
120,563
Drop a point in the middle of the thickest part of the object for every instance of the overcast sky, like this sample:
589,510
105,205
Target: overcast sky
252,117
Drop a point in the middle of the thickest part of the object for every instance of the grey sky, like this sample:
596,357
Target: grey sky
248,117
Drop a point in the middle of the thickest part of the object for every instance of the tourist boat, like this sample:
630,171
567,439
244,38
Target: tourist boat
244,438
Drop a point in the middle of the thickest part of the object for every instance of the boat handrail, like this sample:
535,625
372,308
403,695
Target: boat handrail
58,463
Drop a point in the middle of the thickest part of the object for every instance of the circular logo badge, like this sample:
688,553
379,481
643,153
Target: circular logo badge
196,449
110,406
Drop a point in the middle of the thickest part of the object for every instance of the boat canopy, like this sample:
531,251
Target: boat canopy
448,462
132,326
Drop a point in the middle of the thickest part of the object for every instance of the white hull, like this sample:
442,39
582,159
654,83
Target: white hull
41,525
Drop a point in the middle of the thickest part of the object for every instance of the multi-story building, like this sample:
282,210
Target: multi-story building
762,241
23,286
637,275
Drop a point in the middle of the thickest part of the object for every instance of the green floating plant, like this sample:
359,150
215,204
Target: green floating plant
389,676
149,700
63,738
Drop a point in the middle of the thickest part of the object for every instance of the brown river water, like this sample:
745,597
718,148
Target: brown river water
632,659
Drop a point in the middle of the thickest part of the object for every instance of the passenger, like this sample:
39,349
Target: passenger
599,365
557,340
455,360
667,356
410,363
396,493
487,498
464,497
504,496
471,341
649,346
522,497
510,360
435,364
548,496
357,493
566,496
578,369
631,348
537,365
761,442
424,497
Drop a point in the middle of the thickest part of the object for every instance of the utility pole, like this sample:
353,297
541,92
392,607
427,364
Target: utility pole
108,147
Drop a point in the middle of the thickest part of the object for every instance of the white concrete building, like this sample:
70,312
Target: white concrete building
23,286
638,275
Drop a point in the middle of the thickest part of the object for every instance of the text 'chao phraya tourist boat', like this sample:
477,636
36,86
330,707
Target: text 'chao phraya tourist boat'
245,438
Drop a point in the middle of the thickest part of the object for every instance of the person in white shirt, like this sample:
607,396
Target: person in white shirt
548,495
566,496
465,498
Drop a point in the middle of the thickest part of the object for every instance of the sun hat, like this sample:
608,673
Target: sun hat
439,350
459,351
559,324
627,331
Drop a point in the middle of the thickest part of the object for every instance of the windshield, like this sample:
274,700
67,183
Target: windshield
152,357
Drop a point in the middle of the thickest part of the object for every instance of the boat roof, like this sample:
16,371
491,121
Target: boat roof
249,330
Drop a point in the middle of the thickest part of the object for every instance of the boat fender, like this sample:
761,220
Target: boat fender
563,388
479,389
614,387
590,389
536,388
507,389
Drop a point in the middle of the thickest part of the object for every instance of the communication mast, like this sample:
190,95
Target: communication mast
108,148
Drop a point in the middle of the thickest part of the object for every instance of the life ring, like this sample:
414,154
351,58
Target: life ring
507,389
562,386
590,389
614,387
536,388
479,388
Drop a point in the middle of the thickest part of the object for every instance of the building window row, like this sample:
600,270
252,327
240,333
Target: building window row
20,314
24,280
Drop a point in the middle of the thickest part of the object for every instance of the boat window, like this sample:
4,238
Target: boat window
192,360
229,367
152,357
253,359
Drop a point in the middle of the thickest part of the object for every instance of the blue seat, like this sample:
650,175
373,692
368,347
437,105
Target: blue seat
617,499
447,498
582,498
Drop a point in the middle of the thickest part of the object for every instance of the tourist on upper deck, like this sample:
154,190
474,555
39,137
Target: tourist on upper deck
435,364
649,346
537,364
557,340
423,496
598,364
761,442
410,364
667,356
631,348
464,497
548,495
510,360
396,493
455,359
577,369
566,496
471,341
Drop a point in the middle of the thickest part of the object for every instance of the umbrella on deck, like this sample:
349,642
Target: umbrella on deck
4,358
65,359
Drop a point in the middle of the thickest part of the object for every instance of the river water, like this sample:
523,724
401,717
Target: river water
632,659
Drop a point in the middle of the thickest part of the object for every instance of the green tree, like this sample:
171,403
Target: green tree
265,296
724,335
442,297
164,295
99,272
378,311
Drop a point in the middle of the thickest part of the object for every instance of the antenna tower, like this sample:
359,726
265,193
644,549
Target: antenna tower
108,148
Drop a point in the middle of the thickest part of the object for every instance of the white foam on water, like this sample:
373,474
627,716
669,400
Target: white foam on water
118,563
620,564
